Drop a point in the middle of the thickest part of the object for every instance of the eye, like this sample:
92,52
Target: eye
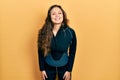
59,13
53,14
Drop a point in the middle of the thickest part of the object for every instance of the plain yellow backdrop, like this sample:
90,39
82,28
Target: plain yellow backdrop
97,26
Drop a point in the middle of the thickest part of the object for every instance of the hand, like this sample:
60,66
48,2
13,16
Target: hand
44,75
67,76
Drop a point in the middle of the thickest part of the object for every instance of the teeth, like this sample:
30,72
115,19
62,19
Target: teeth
57,18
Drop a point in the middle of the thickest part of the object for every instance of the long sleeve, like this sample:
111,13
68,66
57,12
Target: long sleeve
41,60
72,52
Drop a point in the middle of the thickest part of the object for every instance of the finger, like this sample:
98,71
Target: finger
46,75
67,77
64,76
43,77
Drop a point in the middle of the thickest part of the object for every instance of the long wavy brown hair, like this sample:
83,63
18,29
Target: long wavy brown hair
45,33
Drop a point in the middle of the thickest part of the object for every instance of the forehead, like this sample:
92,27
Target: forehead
56,9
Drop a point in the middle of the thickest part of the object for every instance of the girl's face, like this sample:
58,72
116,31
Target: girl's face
56,15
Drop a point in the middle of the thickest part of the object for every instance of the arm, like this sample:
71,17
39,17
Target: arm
41,60
72,51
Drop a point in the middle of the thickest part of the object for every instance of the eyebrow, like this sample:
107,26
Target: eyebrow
54,11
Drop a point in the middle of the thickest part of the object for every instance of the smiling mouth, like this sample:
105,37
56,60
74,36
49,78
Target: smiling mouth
57,19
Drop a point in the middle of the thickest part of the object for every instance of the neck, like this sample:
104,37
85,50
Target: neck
56,27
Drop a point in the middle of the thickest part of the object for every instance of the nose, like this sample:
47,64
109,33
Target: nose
57,15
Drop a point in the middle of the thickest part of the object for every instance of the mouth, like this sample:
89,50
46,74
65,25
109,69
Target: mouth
57,19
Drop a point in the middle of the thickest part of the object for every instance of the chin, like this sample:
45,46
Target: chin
58,23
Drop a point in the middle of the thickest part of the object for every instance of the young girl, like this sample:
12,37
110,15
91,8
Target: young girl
56,46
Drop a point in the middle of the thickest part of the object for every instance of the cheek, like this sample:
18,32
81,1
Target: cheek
52,16
62,16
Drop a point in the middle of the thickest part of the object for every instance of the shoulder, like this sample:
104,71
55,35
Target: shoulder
70,29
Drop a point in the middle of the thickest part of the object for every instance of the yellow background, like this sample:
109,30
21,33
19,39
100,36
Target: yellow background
97,26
